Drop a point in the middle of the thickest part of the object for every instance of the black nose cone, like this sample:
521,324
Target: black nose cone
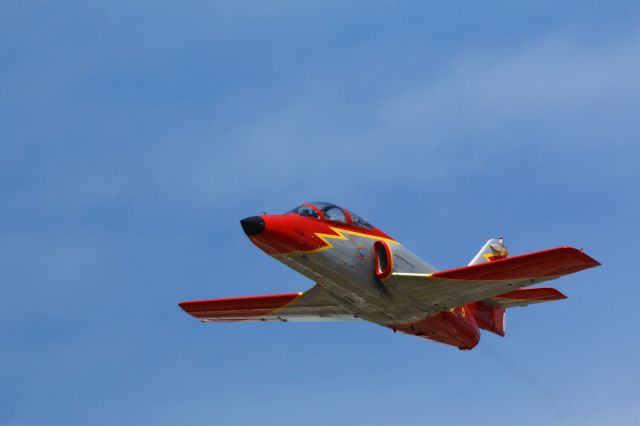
252,225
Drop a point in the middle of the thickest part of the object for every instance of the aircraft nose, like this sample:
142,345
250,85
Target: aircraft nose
253,225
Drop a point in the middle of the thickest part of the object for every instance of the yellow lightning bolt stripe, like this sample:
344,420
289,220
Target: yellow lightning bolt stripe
341,236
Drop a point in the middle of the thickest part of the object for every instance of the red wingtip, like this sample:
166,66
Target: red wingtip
584,257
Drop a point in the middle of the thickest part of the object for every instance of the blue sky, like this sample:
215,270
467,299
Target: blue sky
135,135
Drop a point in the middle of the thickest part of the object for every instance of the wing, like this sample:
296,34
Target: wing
447,289
316,304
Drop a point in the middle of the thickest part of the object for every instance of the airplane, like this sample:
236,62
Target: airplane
361,273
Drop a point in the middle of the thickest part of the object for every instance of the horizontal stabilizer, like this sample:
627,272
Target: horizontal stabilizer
313,305
525,296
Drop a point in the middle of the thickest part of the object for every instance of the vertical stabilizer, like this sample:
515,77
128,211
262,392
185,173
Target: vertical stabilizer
492,250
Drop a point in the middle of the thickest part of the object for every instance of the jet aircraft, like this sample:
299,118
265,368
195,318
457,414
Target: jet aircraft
361,273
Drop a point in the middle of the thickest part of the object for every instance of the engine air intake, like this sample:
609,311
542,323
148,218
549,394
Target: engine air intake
382,259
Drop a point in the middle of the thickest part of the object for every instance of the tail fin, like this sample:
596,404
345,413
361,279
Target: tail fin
490,251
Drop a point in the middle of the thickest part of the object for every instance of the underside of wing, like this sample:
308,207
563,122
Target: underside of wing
316,304
455,287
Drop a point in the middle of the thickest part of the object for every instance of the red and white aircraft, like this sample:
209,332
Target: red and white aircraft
363,273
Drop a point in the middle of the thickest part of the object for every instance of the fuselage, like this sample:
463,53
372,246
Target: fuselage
335,249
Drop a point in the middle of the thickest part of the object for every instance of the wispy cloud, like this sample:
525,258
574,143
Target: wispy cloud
326,133
554,99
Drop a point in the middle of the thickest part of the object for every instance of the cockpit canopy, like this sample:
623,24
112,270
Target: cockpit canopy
328,211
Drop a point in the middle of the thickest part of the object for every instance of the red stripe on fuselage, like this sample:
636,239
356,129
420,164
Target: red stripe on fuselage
291,232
